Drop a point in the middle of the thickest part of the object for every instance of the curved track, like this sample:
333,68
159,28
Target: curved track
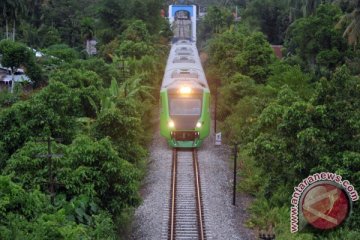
186,220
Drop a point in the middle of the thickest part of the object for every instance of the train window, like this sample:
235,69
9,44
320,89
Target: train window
183,49
183,59
183,42
185,53
185,106
184,75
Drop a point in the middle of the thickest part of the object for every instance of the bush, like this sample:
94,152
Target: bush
95,169
63,52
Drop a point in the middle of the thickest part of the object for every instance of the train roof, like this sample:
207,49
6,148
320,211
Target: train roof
184,67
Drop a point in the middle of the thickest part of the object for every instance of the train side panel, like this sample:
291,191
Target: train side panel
164,115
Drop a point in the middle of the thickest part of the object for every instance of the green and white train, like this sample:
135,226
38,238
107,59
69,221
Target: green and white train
184,98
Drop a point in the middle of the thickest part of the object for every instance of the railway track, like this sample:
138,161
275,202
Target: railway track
186,213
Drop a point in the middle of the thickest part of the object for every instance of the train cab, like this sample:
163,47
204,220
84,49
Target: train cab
185,98
185,110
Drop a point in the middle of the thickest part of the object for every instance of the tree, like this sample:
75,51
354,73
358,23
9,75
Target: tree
4,7
30,168
88,31
63,52
114,12
34,11
304,8
292,76
352,31
133,49
54,108
48,36
294,9
293,138
316,41
95,169
28,214
12,11
310,6
153,18
13,56
136,32
69,27
224,48
86,84
215,22
270,16
256,57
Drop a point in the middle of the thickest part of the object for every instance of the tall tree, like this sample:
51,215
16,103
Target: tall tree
12,11
34,11
88,31
294,9
309,7
304,8
352,31
114,13
315,40
5,6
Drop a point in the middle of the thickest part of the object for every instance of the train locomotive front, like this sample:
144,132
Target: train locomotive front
184,98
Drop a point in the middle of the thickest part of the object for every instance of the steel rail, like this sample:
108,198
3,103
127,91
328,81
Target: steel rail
198,196
173,196
198,201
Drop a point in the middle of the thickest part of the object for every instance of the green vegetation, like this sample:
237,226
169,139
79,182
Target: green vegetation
91,108
292,117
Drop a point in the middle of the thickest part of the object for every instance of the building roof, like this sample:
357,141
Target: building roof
277,50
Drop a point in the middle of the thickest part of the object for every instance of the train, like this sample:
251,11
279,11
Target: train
184,98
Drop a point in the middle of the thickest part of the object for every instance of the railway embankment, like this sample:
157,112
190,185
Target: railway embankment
222,219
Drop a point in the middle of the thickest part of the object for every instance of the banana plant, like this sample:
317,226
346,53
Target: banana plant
107,98
133,88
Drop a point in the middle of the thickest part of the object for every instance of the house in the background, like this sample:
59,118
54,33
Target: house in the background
278,51
91,47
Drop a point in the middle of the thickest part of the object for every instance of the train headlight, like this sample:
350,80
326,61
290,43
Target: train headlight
171,124
198,124
185,90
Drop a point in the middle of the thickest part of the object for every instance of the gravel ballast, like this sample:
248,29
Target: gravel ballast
222,220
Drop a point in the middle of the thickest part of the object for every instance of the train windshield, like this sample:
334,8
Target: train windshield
185,106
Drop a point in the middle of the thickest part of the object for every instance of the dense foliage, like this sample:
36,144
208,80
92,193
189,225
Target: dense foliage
90,108
292,117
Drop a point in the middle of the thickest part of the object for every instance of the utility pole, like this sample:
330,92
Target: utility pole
125,73
235,160
216,100
51,182
215,113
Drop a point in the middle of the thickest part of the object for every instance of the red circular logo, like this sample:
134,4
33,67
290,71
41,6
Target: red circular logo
325,206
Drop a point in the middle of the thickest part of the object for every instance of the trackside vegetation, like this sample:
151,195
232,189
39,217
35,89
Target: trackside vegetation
292,117
96,110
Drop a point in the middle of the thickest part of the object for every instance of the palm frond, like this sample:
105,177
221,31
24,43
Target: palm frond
93,104
352,31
